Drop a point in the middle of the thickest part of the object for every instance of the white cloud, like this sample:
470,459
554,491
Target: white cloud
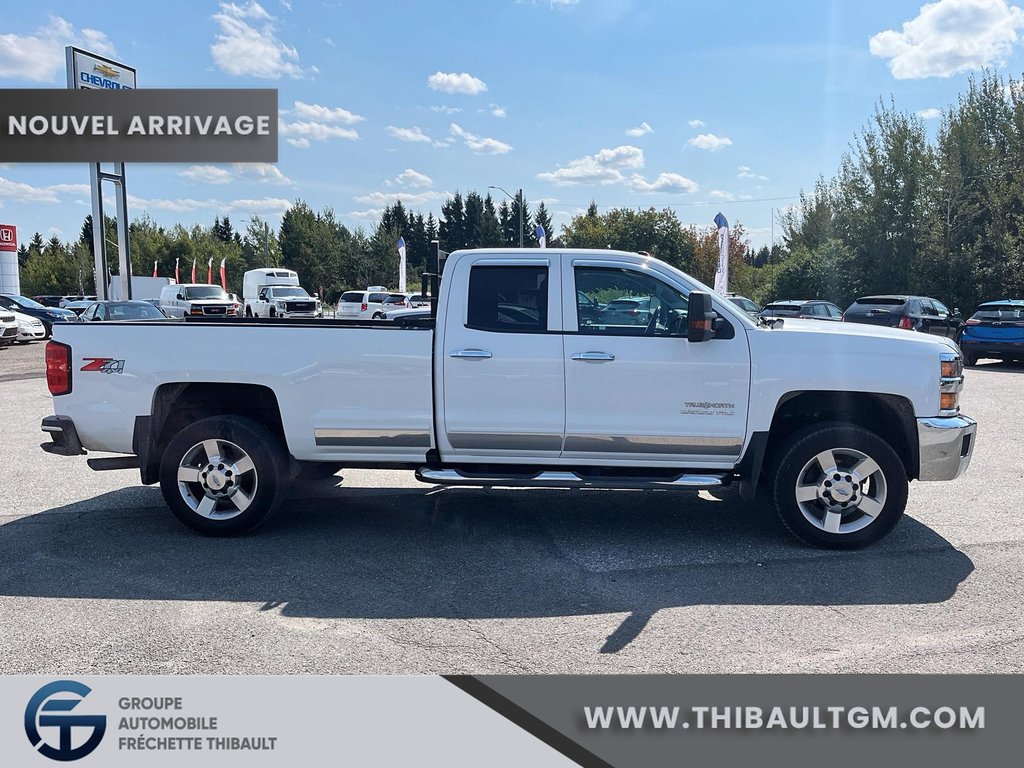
215,174
389,198
929,114
20,192
721,196
478,144
451,82
188,204
322,114
497,111
563,3
669,183
370,213
305,131
414,134
745,172
710,142
414,179
244,48
603,167
446,110
949,37
39,56
208,174
641,130
696,123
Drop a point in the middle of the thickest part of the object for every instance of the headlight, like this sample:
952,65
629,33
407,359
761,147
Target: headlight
951,381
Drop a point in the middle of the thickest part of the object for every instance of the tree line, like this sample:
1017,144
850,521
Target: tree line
904,213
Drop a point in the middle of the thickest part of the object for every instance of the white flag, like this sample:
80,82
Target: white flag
542,236
722,273
401,265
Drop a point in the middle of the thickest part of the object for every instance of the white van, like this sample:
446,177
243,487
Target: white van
371,303
275,292
196,299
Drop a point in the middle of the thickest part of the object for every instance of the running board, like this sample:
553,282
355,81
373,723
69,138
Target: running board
549,479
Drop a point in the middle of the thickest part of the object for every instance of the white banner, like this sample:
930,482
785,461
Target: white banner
401,265
722,273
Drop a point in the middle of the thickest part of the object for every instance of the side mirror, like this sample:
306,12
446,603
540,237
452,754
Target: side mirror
956,313
700,317
181,297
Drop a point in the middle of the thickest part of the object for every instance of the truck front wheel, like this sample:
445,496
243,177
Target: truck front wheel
839,486
223,475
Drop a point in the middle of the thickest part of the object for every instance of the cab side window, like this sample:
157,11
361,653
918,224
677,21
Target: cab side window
508,299
622,302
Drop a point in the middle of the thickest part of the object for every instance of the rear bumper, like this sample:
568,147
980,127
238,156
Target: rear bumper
984,348
946,444
63,436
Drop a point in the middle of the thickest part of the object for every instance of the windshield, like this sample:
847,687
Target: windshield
25,302
288,293
1000,313
134,311
205,292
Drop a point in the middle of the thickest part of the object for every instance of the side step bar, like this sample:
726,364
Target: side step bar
550,479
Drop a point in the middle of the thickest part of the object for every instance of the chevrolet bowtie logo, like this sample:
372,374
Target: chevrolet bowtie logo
107,71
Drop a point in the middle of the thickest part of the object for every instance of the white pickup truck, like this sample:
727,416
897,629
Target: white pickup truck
543,368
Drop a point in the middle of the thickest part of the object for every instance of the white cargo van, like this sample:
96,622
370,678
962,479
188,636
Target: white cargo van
275,292
143,287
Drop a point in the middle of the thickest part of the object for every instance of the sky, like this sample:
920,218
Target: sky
698,106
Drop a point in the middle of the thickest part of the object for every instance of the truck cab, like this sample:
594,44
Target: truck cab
276,292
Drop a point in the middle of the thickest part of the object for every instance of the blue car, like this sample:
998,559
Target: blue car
49,315
996,330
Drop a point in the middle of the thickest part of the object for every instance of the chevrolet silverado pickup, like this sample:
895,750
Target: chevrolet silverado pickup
539,368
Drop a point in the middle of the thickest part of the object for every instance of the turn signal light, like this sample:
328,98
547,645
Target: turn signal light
949,368
948,401
58,368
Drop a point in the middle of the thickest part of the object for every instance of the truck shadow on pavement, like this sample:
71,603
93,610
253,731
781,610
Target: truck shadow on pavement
469,554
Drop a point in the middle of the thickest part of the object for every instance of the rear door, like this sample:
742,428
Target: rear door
641,394
502,373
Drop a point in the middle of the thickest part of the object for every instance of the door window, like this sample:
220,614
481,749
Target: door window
623,302
508,299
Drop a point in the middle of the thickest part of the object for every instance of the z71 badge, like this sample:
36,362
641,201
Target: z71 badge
103,365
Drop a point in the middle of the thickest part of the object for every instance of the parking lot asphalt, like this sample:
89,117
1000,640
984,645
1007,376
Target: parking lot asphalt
373,572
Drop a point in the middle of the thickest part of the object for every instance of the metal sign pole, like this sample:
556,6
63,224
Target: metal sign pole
99,240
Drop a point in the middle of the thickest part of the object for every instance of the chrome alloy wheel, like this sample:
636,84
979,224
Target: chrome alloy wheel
841,490
217,479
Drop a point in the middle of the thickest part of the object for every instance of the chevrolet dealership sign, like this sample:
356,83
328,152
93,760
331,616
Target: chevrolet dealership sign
87,70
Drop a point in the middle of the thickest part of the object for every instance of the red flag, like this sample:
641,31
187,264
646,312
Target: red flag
223,275
154,269
193,269
209,271
177,278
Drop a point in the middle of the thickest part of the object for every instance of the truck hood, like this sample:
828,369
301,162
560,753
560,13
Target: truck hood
827,328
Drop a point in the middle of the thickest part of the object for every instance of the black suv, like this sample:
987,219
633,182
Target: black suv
810,309
912,313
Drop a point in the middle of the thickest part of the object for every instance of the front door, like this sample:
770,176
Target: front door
637,392
504,387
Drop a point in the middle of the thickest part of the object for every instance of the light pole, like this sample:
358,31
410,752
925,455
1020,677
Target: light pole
519,199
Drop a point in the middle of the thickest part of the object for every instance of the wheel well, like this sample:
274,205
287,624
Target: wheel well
177,405
888,416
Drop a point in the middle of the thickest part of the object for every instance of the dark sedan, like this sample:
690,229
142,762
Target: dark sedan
27,306
912,313
996,330
807,309
121,310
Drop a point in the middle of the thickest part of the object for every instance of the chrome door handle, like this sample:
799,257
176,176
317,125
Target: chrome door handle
592,356
472,354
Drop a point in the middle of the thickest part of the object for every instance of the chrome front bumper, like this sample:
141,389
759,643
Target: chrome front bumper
946,444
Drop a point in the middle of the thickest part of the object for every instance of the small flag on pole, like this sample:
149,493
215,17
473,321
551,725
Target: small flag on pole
177,277
209,271
193,269
154,269
223,275
401,264
722,273
542,236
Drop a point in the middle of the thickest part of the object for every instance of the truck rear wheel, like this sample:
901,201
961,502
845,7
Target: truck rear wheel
839,486
223,475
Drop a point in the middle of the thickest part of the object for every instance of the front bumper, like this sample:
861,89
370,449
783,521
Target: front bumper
945,445
63,435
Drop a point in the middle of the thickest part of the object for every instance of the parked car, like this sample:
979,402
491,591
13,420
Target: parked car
406,313
627,310
121,310
995,330
361,304
8,328
29,328
508,389
911,313
49,300
417,300
48,315
78,307
747,305
807,309
196,299
65,300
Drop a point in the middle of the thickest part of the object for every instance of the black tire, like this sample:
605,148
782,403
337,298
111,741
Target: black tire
248,311
882,492
263,485
970,360
272,312
377,316
49,331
